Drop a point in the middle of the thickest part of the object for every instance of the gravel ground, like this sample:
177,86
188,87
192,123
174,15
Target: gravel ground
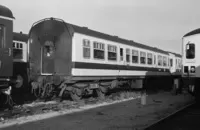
125,115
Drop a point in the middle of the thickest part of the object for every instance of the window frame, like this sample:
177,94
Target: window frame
151,57
164,61
112,51
160,60
121,53
186,51
17,50
86,45
135,55
142,56
128,55
154,59
100,47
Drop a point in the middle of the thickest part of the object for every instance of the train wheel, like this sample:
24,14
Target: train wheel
75,96
19,81
18,91
100,93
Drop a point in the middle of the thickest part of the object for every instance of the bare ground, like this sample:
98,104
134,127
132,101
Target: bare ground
125,115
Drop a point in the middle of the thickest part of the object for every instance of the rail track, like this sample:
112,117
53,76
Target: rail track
181,119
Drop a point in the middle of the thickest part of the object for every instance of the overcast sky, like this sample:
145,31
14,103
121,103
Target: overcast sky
159,23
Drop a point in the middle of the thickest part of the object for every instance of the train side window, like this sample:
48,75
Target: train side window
99,49
164,61
21,45
121,54
134,56
2,36
112,52
127,55
17,45
168,62
171,62
86,48
159,60
17,51
154,59
179,63
13,44
149,58
142,57
190,51
176,62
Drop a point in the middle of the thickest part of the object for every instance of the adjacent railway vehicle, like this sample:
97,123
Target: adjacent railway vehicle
79,60
191,62
18,80
6,59
20,76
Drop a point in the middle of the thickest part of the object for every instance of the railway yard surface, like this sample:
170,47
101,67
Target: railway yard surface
122,112
185,119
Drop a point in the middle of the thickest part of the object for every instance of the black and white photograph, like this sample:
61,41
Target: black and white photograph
99,65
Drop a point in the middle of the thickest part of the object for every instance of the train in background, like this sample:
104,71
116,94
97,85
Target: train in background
63,58
80,61
6,59
191,62
13,56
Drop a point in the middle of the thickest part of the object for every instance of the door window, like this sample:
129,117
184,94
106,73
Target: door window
49,49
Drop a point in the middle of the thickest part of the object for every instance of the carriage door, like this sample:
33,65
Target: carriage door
172,65
47,57
127,60
5,52
121,60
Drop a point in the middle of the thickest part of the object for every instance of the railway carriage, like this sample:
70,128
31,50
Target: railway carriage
79,60
20,66
191,61
20,58
6,60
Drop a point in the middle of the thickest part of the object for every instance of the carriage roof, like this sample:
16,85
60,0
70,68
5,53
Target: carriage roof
5,12
196,31
20,37
85,30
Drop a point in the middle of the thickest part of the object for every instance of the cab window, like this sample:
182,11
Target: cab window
190,51
49,49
